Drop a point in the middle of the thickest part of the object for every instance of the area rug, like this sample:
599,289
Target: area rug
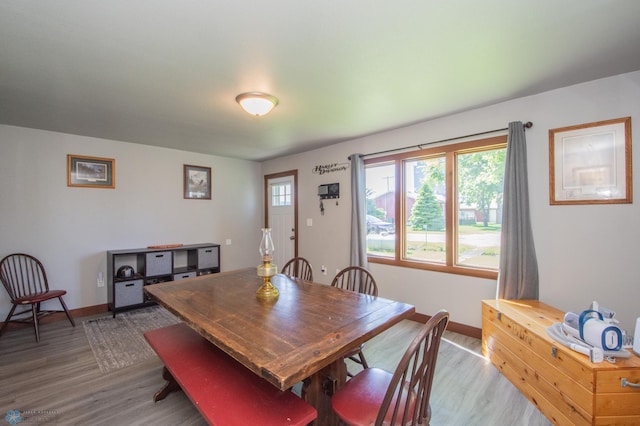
119,342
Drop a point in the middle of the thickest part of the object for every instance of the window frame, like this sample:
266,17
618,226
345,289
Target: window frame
449,152
285,196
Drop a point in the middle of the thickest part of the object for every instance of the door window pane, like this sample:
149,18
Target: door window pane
281,194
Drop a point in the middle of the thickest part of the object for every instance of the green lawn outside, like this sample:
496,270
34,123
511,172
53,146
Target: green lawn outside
485,256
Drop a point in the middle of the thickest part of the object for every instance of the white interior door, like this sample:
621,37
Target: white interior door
281,214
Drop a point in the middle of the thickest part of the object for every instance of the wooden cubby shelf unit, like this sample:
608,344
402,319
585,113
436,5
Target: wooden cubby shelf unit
152,266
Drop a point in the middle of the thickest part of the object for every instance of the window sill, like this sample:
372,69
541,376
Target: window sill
458,270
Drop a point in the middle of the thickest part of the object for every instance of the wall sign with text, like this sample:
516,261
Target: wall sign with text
322,169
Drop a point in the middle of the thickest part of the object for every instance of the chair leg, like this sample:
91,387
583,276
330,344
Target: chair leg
66,311
34,310
363,361
6,321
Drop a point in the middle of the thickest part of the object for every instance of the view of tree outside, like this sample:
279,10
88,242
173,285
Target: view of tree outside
426,212
425,238
372,209
479,177
480,181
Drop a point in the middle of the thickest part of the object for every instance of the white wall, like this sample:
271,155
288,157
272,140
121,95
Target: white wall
70,229
585,252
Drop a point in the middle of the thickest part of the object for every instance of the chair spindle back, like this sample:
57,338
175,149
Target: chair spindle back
407,399
356,278
298,267
23,275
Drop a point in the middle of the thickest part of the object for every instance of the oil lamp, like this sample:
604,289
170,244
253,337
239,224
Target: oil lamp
267,269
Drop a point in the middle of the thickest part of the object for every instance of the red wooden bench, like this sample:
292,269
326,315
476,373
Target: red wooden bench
223,390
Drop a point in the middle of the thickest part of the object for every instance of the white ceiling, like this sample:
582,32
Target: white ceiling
166,72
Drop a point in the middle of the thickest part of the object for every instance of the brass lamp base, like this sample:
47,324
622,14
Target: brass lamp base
267,291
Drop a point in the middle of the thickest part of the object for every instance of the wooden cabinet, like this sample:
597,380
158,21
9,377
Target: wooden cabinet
152,266
565,385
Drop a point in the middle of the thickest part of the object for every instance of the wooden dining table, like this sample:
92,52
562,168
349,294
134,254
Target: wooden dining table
301,336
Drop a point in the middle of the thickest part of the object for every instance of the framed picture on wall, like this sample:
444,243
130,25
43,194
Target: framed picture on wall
197,182
591,163
91,172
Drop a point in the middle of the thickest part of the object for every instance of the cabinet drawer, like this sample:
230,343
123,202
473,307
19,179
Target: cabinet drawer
208,257
159,263
128,293
184,275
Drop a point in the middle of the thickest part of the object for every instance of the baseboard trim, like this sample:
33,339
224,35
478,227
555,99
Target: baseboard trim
456,327
60,316
99,309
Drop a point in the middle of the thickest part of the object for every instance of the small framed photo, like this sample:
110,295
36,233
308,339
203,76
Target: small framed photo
91,172
197,182
591,163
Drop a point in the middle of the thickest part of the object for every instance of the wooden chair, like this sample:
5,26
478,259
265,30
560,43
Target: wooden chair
298,267
358,279
376,396
24,278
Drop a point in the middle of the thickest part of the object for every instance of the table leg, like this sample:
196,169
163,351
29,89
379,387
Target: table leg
168,387
318,389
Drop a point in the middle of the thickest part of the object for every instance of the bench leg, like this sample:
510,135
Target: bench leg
168,387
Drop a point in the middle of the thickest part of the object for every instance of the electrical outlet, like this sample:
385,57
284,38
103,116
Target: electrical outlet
228,241
100,279
323,269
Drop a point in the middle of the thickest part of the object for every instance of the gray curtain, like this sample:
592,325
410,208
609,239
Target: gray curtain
358,213
518,274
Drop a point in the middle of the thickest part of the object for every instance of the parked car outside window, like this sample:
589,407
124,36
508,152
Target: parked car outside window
379,226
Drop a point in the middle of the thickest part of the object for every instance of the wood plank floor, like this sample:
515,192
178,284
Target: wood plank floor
57,381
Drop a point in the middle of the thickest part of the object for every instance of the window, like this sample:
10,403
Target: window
281,194
438,208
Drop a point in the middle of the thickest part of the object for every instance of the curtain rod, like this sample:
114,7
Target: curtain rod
526,125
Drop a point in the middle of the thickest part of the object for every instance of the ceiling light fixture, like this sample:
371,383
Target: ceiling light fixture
256,103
